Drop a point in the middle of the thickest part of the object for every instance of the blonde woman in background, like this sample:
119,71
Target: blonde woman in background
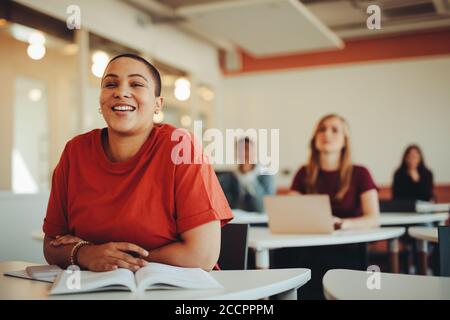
330,170
354,202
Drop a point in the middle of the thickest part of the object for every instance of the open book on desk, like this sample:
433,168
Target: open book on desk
152,276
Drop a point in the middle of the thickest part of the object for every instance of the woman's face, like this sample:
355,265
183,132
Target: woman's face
127,97
330,137
413,159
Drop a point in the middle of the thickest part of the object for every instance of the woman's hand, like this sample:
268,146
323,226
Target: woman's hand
64,240
110,256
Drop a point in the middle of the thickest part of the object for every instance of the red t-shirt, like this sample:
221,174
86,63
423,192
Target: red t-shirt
147,200
328,183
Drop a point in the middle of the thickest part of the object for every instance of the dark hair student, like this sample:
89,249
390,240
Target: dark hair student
413,180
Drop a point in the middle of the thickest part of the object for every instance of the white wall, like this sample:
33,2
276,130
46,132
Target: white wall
30,165
388,105
56,73
20,217
108,18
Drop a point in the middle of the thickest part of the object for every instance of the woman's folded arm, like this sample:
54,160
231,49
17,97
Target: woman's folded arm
198,248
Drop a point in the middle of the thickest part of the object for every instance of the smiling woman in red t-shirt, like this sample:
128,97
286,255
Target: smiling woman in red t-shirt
119,200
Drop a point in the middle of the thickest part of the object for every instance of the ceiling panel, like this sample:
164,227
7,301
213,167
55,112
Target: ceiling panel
263,27
184,3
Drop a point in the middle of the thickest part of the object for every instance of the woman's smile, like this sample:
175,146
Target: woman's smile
122,109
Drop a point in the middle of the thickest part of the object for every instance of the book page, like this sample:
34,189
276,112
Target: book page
120,279
157,276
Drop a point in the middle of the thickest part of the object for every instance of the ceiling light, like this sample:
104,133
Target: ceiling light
36,51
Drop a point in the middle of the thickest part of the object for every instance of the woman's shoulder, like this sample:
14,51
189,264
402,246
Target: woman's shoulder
84,139
167,137
301,172
359,170
165,129
179,142
399,173
428,173
363,178
169,133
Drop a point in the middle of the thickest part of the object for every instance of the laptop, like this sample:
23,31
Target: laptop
299,214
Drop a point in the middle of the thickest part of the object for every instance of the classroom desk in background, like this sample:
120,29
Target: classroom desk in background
342,284
423,235
411,218
262,240
238,285
252,218
386,219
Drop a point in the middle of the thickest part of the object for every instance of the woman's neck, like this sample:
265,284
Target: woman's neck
330,161
120,148
246,167
412,169
414,174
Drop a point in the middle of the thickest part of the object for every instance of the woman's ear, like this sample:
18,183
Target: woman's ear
159,104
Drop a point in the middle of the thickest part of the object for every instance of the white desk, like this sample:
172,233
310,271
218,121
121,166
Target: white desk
261,240
423,235
245,217
352,285
410,218
386,219
238,285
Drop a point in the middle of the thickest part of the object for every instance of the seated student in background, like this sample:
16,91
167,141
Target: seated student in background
352,191
413,180
118,198
246,186
354,201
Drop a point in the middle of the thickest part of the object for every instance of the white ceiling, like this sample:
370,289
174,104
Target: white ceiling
256,26
277,27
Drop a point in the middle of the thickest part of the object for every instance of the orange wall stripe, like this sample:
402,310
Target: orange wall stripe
394,47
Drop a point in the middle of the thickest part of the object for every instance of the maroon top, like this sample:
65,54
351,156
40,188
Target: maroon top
328,183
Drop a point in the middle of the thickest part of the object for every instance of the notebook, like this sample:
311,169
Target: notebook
152,276
46,273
